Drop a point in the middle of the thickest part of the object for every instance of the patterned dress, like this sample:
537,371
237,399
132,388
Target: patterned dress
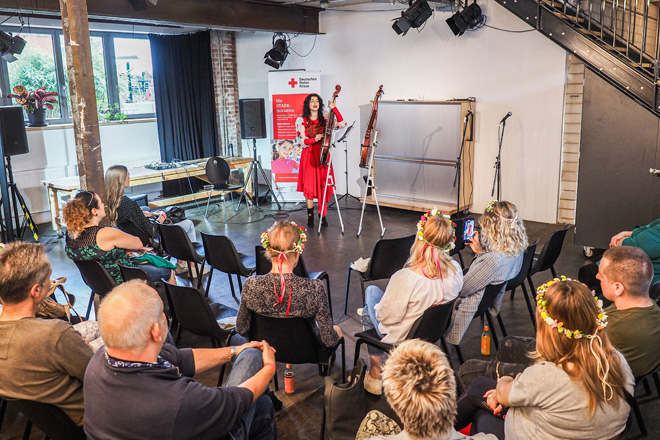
84,248
312,175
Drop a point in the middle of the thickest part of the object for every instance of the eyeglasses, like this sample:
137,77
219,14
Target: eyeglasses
87,192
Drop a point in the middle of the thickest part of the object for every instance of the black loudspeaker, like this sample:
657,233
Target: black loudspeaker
253,118
12,131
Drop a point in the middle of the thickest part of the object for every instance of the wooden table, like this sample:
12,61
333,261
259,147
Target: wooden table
143,176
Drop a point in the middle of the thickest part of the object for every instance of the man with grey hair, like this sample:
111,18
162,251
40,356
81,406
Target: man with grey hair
40,359
140,387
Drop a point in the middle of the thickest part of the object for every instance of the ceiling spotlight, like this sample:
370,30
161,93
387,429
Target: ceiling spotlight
10,45
276,56
468,18
414,16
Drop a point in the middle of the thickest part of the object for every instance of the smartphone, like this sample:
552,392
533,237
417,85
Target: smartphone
468,230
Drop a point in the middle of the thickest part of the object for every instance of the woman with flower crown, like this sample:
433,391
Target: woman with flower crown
499,245
429,277
280,293
576,388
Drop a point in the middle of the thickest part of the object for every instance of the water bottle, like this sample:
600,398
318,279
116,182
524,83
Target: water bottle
485,341
289,380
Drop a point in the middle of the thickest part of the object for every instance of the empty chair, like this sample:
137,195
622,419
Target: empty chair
388,256
487,301
548,256
97,278
429,327
223,256
217,171
176,244
48,418
193,313
519,280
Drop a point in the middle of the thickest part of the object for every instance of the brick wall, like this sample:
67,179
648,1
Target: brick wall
571,143
223,54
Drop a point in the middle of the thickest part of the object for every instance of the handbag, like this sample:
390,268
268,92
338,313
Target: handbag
175,214
50,308
346,404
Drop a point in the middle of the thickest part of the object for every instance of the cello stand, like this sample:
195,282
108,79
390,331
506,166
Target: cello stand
345,141
330,181
371,184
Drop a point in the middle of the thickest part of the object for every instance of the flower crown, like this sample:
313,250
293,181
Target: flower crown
422,223
299,247
601,319
489,206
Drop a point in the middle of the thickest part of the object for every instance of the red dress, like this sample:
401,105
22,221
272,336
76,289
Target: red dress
312,176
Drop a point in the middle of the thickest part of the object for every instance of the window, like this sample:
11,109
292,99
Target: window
123,75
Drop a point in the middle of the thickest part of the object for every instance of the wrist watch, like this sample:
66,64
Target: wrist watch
233,354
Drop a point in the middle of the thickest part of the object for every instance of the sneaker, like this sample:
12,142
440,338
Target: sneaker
360,311
181,267
373,386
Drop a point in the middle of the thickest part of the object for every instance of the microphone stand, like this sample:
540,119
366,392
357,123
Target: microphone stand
457,178
343,139
498,162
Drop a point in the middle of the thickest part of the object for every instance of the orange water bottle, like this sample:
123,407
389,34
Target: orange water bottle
485,341
289,380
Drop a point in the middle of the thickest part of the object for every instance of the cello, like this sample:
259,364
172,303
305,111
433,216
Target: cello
329,128
366,145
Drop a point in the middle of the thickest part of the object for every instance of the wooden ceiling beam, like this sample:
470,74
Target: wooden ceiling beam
224,14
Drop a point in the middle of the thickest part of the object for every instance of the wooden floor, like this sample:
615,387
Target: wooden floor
332,251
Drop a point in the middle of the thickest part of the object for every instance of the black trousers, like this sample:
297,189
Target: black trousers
472,408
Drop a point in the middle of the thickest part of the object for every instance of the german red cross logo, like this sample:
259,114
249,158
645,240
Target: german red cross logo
292,83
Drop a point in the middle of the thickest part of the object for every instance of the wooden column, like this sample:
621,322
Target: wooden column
83,94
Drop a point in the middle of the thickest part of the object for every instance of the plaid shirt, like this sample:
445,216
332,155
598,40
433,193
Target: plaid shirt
487,268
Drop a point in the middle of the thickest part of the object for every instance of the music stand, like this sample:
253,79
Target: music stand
343,139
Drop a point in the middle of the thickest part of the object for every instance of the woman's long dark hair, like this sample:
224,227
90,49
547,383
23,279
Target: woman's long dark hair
307,112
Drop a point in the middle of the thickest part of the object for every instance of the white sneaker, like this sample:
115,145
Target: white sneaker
360,311
181,267
373,386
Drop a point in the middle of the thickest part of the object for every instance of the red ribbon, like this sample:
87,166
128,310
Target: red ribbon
280,297
435,257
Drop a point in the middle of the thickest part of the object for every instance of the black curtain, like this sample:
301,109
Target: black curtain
184,92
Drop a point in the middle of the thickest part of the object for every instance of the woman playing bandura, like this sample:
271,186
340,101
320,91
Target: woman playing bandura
310,129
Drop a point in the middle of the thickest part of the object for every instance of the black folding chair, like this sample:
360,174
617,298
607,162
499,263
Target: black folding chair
176,244
487,301
218,171
223,256
263,266
519,280
48,418
192,312
131,229
97,278
429,327
388,256
548,256
654,291
137,273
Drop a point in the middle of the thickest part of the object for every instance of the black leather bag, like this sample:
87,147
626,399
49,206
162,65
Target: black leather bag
175,214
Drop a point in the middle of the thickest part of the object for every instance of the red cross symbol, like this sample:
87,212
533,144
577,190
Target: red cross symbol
292,83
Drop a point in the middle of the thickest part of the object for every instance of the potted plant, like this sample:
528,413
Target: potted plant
35,103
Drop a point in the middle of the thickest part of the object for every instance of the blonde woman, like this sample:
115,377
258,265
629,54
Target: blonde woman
575,390
499,248
122,209
429,277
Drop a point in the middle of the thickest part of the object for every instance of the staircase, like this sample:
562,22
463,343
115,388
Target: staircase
618,39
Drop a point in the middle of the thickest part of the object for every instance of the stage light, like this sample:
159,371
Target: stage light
414,16
10,45
276,56
468,18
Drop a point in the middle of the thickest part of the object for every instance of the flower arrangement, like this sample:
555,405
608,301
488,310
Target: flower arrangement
34,100
422,223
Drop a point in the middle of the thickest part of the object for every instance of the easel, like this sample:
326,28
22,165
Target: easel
330,181
371,184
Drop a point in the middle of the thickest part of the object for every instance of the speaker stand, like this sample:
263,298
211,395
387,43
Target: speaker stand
16,199
255,168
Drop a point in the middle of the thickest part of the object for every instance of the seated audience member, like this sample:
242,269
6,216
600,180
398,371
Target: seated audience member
499,246
121,209
576,388
86,240
142,388
633,325
41,359
424,396
647,238
429,277
280,293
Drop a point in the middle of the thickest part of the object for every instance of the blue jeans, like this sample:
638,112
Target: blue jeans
258,422
372,296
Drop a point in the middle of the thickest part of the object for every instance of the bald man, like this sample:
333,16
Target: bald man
140,387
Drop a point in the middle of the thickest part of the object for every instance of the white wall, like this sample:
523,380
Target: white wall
53,155
519,72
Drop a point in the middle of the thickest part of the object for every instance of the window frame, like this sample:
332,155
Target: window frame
109,61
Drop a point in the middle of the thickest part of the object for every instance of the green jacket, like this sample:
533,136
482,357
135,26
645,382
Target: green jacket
647,238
